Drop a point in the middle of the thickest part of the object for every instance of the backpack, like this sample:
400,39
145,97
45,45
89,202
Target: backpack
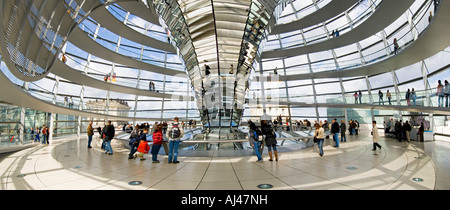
134,134
104,132
256,134
134,138
175,132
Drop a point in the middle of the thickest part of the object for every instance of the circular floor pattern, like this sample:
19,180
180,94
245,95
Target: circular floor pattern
68,164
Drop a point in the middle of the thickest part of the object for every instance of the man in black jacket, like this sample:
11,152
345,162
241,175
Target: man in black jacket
407,128
335,132
109,135
399,130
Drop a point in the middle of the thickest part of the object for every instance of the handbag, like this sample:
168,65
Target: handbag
315,138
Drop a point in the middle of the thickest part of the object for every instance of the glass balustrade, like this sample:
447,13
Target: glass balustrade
424,98
405,37
317,33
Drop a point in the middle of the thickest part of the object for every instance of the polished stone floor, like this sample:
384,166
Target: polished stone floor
67,164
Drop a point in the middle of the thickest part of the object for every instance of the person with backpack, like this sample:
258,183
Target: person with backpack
134,142
157,142
270,139
174,134
254,136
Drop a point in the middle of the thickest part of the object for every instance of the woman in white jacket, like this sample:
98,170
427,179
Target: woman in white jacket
375,136
319,134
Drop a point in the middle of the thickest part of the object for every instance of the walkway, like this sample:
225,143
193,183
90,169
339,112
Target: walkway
80,39
108,21
428,44
62,70
68,164
329,11
387,11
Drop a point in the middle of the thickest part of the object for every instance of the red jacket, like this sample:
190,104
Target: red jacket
157,137
143,147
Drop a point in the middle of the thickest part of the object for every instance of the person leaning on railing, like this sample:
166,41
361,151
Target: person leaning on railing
446,92
440,94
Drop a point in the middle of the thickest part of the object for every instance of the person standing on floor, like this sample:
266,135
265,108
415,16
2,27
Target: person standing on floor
440,94
37,132
399,130
319,135
109,136
90,133
375,136
380,97
359,97
421,130
396,47
407,129
270,139
44,134
157,142
174,134
446,93
343,128
389,96
413,96
408,97
335,132
255,140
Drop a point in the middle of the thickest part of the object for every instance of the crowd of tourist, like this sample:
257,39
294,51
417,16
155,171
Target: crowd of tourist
442,92
138,142
259,137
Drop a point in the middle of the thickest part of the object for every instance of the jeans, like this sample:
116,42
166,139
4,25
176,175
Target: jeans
256,146
446,100
108,147
173,150
269,147
133,150
89,140
155,151
380,101
336,139
440,101
320,145
343,138
44,139
37,138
